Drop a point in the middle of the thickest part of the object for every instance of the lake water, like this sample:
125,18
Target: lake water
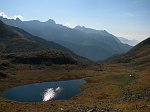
36,92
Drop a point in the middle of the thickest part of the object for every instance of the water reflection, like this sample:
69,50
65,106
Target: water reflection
51,93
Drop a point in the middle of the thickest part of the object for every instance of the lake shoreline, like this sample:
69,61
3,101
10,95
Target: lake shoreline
45,91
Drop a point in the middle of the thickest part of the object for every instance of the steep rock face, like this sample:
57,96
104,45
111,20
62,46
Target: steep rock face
93,44
25,48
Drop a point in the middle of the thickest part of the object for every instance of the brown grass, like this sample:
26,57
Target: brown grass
105,89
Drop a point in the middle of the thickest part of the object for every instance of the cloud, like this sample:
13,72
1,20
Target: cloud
3,15
14,17
18,16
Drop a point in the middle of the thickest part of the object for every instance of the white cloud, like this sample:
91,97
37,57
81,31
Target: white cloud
18,16
13,17
3,15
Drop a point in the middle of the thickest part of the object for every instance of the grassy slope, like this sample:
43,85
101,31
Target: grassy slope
138,56
110,88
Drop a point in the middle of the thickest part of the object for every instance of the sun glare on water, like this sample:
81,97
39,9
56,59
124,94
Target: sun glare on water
51,93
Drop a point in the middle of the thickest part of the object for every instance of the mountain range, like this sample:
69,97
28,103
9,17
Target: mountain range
95,45
22,47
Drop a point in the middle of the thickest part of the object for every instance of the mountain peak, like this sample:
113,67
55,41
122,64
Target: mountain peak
17,19
50,21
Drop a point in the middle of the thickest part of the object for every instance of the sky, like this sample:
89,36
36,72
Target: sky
123,18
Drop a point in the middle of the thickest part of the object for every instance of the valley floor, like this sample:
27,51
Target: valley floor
108,88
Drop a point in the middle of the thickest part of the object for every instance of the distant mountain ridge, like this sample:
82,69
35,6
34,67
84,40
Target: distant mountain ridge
12,35
25,48
127,41
93,44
